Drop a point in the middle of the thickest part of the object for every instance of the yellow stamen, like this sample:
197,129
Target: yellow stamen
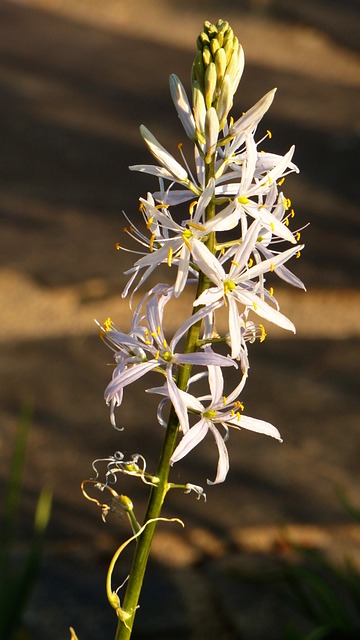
186,242
281,181
272,267
239,405
271,292
235,263
169,256
292,213
108,325
298,254
195,225
287,203
243,200
151,243
269,133
149,222
297,236
250,263
255,306
117,246
263,333
192,206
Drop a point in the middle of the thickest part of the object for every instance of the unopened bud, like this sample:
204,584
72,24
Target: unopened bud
225,101
210,84
199,112
198,70
211,133
220,63
126,503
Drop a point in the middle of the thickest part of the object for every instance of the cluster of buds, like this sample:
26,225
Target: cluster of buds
234,231
216,73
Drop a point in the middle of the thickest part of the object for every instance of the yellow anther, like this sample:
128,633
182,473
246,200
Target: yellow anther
272,227
286,221
149,222
158,329
195,225
108,325
157,355
186,241
151,242
292,213
271,292
125,230
117,246
287,203
281,181
272,267
239,405
180,146
268,182
224,399
297,236
250,263
192,206
238,415
269,133
235,263
169,256
263,332
298,254
255,306
243,200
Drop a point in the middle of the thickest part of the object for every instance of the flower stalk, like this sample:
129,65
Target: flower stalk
229,242
158,492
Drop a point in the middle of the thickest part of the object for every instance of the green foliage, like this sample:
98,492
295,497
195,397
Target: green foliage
16,585
326,597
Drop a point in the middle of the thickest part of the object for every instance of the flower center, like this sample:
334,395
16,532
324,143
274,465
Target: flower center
211,413
229,285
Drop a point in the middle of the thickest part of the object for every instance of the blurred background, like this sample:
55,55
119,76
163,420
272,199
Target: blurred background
76,81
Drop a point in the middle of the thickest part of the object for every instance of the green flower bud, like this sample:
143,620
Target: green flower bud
225,101
211,133
214,46
206,56
203,38
210,84
199,112
220,63
198,70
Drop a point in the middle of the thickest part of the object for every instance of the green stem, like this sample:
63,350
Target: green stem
158,493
